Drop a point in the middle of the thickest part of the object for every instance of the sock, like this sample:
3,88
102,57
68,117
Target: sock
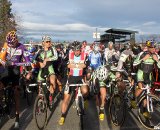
101,110
63,115
17,118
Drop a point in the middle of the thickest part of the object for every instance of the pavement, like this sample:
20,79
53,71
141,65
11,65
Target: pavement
90,119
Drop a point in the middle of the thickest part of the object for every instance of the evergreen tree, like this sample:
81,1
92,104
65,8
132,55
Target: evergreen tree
7,19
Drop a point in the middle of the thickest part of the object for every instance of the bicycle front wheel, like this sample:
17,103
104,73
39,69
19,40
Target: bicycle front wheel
29,96
117,109
80,112
149,119
40,112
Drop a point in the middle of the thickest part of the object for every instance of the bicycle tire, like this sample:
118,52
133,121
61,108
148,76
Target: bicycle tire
40,107
81,111
80,105
114,106
29,97
141,117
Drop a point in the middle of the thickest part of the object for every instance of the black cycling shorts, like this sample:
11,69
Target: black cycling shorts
75,80
13,76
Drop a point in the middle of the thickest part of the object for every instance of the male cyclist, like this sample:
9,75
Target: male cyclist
94,58
95,62
45,57
146,61
109,53
76,66
13,52
34,66
58,65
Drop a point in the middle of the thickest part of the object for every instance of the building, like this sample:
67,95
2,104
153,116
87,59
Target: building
118,35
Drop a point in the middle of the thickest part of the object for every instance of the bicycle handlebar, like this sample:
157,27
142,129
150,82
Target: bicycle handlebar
76,84
158,90
146,87
4,88
22,64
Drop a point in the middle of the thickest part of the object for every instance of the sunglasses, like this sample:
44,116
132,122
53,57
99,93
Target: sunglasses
48,41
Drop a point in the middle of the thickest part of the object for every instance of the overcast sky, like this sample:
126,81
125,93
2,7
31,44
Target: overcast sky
78,19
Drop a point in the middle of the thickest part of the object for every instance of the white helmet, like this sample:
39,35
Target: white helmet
96,48
102,73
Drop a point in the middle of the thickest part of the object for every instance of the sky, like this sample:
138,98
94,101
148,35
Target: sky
71,20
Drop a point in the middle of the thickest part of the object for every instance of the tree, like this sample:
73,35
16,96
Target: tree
7,19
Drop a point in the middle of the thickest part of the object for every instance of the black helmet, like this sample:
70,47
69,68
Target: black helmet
76,45
58,46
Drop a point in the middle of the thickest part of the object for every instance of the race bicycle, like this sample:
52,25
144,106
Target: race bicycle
42,103
79,100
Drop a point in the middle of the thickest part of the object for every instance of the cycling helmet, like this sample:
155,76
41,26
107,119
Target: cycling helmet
76,45
150,44
11,38
32,49
58,46
96,48
46,38
126,46
102,73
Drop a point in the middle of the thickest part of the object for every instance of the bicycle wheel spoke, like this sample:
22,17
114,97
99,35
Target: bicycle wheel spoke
40,112
116,109
153,119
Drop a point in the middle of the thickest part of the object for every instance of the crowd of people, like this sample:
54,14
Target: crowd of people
80,60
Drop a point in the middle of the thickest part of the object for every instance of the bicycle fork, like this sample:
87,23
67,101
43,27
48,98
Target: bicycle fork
149,104
149,101
78,96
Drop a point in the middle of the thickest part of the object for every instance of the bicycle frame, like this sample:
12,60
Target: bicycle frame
78,94
146,92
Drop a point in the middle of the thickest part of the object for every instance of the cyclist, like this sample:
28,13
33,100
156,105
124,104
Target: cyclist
76,66
102,74
45,57
94,59
84,45
13,52
124,56
146,61
58,65
110,53
34,66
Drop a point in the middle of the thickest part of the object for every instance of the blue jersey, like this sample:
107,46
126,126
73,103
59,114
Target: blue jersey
95,59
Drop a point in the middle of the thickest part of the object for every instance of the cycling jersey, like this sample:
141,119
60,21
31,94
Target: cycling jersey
108,54
35,65
123,57
58,63
146,66
76,59
48,69
14,55
95,60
